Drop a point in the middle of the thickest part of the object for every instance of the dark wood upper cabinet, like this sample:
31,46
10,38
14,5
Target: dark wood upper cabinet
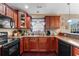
52,22
9,12
57,21
15,18
24,20
2,9
47,19
28,22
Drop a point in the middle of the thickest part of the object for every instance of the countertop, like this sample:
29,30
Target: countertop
31,36
73,42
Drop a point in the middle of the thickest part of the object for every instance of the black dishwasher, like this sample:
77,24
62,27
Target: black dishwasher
64,49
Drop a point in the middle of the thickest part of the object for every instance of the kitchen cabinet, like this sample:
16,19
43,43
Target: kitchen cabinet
21,45
43,44
9,12
64,49
24,20
75,51
56,45
26,44
2,9
33,44
21,20
15,18
57,21
52,22
28,22
47,19
38,44
52,44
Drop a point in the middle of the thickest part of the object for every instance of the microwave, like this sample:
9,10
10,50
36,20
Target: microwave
6,23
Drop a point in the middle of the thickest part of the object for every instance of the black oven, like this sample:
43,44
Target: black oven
3,37
11,49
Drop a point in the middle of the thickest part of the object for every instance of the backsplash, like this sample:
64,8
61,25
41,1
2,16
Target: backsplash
7,30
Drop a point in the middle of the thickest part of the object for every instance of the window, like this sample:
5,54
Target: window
38,25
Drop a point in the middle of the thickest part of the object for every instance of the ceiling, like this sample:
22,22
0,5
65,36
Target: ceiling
47,8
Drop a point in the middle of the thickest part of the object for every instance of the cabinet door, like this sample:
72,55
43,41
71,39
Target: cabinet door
47,19
75,51
57,21
26,44
34,44
28,20
9,12
2,9
43,44
56,44
21,46
52,22
15,18
52,44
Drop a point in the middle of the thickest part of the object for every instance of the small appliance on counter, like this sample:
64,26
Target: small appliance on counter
48,33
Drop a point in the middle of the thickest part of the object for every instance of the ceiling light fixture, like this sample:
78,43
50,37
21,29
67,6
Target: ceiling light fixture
69,9
37,11
26,6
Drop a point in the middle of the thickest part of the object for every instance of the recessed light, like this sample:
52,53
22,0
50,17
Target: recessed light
26,6
69,21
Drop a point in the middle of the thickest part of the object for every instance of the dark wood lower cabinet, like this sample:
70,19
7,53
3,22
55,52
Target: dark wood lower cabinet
38,44
75,51
33,44
52,44
26,43
43,44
